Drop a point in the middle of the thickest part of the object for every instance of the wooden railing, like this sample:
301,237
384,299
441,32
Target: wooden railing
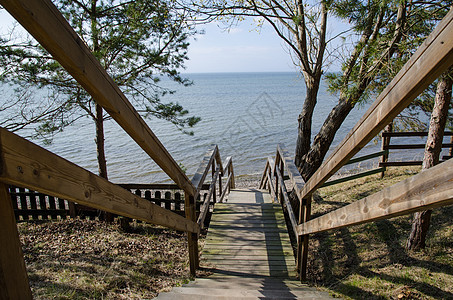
428,189
32,205
27,165
386,145
212,161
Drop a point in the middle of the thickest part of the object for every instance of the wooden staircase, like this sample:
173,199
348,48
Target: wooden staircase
249,249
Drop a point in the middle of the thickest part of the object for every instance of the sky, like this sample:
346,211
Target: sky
241,49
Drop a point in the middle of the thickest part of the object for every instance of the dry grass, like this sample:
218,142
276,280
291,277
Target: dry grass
81,259
369,261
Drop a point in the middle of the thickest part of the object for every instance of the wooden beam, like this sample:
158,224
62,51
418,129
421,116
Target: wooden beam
414,146
353,177
204,167
432,58
296,179
289,208
205,207
28,165
13,274
429,189
367,157
46,24
408,134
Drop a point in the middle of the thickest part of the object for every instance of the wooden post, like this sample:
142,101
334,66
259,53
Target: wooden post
302,253
385,142
13,275
192,238
220,186
282,171
233,184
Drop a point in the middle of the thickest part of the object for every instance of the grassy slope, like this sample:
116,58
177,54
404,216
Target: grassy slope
369,261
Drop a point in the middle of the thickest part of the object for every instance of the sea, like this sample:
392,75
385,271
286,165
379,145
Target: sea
245,114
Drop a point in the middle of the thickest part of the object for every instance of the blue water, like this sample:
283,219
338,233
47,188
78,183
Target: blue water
246,114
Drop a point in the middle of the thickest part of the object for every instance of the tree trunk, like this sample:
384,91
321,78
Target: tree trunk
102,162
305,121
321,144
421,220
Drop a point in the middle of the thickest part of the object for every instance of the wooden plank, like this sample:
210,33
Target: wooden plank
287,204
411,134
46,24
205,207
413,146
353,177
432,58
400,163
13,275
225,189
429,189
204,167
263,180
367,157
296,179
26,164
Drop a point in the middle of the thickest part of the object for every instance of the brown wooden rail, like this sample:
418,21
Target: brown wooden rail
428,189
386,145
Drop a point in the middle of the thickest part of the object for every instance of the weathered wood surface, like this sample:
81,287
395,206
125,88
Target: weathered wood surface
246,233
432,58
13,275
26,164
297,181
431,188
205,207
245,268
407,134
204,167
47,25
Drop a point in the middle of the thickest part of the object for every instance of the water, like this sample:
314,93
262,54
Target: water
246,114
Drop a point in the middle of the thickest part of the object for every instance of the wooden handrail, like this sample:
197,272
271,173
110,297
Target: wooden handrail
26,164
433,58
205,207
296,179
286,202
429,189
409,134
204,168
47,25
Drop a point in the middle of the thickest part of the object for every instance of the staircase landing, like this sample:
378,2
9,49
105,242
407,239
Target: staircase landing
248,247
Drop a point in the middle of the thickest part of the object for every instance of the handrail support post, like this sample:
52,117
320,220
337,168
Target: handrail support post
192,238
13,274
302,253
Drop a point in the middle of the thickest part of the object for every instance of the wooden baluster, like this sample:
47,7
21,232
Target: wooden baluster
52,207
43,206
14,199
13,275
23,204
168,202
178,202
33,198
157,195
282,171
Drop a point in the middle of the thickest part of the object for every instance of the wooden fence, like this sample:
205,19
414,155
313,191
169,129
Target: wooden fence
417,193
32,205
